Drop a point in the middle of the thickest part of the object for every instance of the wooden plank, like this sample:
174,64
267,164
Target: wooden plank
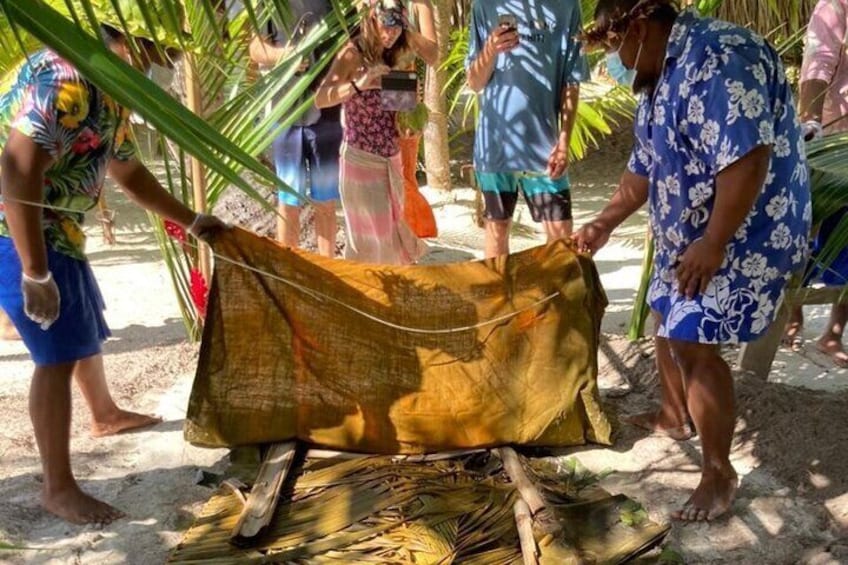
526,488
262,500
757,356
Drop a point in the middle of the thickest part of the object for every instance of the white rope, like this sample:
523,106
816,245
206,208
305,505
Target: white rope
325,297
321,296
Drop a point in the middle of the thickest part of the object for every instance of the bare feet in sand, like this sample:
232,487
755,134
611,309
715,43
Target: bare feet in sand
122,421
74,506
832,347
657,422
792,338
713,497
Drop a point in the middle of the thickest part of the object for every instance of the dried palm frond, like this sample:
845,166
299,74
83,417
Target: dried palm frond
376,510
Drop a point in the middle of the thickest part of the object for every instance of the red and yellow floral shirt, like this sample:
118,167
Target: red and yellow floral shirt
82,128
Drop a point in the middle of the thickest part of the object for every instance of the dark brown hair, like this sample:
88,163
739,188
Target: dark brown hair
612,17
367,40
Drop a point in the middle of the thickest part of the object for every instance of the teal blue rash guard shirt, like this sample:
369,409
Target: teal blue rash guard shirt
519,117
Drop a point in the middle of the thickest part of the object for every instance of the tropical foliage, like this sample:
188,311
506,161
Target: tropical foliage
228,125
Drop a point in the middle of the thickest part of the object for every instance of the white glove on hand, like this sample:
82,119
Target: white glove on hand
41,299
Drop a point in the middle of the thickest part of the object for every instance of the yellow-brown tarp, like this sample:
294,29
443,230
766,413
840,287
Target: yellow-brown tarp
386,359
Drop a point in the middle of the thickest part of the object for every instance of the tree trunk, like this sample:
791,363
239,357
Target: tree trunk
436,150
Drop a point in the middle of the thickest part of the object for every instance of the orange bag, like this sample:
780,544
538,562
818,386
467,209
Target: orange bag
416,209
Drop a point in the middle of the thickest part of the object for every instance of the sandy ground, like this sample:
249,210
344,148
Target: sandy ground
791,446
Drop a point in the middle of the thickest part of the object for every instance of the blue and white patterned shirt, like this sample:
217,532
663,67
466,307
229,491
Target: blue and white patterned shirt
723,93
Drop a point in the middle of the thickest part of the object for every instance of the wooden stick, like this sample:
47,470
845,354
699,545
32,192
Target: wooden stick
526,488
262,500
422,458
524,524
194,101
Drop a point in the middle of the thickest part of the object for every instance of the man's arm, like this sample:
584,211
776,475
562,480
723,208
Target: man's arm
22,168
737,188
423,41
631,194
822,56
558,160
501,40
264,53
143,189
811,100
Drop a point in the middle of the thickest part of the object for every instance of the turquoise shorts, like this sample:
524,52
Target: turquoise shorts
548,199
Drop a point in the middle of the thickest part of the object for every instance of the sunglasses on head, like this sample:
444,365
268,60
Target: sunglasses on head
391,18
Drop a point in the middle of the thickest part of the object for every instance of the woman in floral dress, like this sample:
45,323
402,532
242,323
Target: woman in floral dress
371,179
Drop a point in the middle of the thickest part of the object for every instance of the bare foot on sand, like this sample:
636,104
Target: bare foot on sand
833,347
74,506
658,423
792,338
713,497
122,421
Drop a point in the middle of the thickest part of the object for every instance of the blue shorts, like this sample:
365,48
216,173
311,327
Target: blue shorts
79,331
307,159
548,199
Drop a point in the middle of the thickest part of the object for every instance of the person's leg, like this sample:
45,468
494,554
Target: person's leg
106,418
288,225
792,331
50,411
549,201
500,194
7,328
326,227
672,416
710,400
831,341
322,149
558,229
497,237
289,164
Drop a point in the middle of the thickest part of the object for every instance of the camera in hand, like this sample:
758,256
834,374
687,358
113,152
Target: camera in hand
399,90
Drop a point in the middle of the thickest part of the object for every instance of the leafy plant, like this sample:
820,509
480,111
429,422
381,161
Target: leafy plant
633,514
229,126
669,556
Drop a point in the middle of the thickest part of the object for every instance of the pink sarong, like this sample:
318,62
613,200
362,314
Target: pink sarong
371,189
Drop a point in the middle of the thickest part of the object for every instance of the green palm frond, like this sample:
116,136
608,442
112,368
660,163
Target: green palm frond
231,126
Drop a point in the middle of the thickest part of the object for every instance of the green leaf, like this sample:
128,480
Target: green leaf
669,556
633,514
130,88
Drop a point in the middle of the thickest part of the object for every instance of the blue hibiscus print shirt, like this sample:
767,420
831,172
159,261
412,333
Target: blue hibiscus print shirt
723,92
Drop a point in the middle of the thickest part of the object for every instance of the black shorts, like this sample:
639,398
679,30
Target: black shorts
549,200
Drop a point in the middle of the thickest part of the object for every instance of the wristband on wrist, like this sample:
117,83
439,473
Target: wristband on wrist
356,88
43,280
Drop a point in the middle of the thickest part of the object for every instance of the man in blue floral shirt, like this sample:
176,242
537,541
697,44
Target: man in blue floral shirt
720,160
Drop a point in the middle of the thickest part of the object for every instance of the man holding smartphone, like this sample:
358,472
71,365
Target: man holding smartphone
525,63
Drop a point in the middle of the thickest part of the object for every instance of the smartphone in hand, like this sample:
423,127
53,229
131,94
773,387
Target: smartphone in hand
508,21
